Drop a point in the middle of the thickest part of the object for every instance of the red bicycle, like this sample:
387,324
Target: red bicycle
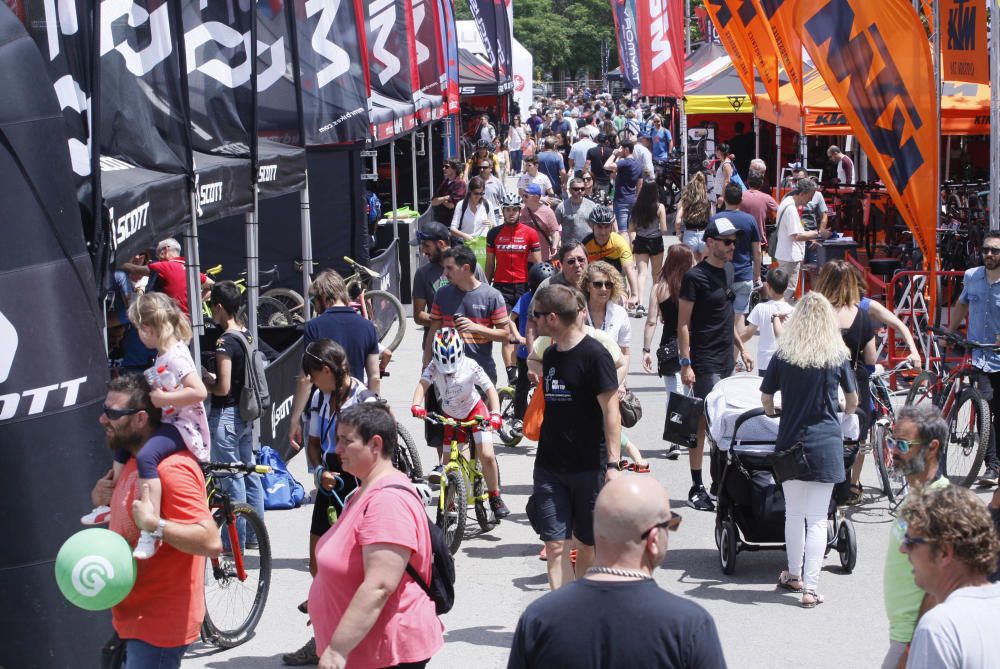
962,404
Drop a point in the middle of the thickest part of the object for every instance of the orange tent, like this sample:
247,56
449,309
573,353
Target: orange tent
965,109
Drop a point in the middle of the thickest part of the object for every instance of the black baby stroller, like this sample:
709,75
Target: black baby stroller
750,512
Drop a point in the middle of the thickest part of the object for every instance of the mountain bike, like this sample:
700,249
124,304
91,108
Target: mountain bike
236,583
271,311
509,436
955,392
883,420
382,308
406,458
461,474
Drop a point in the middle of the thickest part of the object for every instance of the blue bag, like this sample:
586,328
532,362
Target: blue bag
281,490
737,179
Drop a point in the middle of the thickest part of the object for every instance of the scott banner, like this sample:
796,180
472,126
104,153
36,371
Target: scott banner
964,51
731,36
660,28
876,59
780,15
623,12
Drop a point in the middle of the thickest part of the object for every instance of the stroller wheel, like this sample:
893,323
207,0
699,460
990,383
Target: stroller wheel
727,547
847,546
718,534
831,535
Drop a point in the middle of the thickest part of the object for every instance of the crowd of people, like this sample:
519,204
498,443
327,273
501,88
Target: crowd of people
572,253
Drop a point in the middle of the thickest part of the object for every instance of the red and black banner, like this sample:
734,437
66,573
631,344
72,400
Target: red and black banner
623,12
449,49
427,60
660,28
392,110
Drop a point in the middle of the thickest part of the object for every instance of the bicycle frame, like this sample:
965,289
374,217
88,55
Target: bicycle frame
464,466
222,512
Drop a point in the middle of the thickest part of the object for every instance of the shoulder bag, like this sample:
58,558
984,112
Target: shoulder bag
791,464
629,409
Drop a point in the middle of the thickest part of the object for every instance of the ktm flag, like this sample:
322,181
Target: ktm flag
964,52
660,28
724,19
876,59
780,16
759,41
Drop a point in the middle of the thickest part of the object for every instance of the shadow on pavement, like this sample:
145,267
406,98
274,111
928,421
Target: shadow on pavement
296,564
537,583
487,635
501,551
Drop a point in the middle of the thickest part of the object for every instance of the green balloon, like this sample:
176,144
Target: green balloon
95,569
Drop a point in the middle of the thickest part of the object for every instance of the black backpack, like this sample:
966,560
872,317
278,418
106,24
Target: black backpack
441,589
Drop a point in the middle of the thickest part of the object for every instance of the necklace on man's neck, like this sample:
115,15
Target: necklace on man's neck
615,571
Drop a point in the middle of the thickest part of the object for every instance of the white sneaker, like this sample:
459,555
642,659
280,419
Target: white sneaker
146,547
99,516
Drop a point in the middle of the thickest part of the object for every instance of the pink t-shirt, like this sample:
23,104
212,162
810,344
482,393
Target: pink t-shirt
758,204
191,420
408,629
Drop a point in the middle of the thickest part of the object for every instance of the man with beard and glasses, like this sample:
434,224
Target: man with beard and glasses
162,615
980,301
916,443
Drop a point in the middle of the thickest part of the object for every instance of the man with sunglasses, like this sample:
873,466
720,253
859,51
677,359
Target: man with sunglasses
790,235
162,614
581,624
494,189
915,444
980,301
573,213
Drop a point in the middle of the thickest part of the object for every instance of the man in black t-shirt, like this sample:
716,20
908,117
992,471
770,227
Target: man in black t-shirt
596,157
706,334
580,626
579,445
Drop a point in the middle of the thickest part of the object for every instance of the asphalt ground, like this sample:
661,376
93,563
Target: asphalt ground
499,572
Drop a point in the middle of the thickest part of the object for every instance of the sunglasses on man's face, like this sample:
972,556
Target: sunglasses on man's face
991,250
575,261
670,524
577,189
115,414
901,445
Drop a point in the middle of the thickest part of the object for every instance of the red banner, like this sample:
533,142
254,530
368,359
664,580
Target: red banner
780,16
876,60
660,29
731,37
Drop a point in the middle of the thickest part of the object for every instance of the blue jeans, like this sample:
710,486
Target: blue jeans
141,655
622,211
515,160
231,442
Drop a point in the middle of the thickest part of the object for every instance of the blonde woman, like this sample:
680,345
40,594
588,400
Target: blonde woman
809,365
693,213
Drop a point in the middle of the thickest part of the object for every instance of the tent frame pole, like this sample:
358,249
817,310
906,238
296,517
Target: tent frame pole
803,142
684,142
777,148
413,163
756,134
194,276
305,223
430,159
995,126
393,185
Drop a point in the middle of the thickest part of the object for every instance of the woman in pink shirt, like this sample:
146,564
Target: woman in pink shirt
368,613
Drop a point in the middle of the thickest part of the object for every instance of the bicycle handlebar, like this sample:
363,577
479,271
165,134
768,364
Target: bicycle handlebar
957,341
437,418
358,267
901,367
235,468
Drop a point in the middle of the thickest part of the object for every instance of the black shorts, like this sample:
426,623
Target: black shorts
652,246
321,509
561,506
511,292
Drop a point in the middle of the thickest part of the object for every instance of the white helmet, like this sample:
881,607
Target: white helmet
448,349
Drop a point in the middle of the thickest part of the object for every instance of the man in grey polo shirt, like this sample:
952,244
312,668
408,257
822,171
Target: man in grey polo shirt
573,214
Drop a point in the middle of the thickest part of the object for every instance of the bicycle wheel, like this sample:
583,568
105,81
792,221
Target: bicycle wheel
406,458
387,315
270,313
292,301
452,513
968,432
506,432
879,432
922,389
232,606
484,515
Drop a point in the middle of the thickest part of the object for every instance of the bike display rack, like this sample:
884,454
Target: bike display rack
908,296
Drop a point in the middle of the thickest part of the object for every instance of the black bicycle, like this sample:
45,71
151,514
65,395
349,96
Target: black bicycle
236,582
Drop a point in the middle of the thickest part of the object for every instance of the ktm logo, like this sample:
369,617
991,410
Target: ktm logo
122,23
962,26
835,118
659,28
340,62
383,21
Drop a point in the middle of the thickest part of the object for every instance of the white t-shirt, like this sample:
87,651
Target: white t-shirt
473,222
515,138
645,158
789,223
541,179
616,324
457,391
761,317
322,424
959,633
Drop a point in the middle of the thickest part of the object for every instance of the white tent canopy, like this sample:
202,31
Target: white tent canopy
524,64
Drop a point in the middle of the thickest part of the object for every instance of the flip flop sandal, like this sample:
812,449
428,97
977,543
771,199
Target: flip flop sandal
785,580
816,599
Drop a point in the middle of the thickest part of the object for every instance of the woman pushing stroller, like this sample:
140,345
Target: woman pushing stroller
811,362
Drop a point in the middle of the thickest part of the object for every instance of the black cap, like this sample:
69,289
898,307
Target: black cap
432,231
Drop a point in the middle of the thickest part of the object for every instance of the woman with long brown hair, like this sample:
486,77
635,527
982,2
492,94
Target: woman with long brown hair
646,226
693,213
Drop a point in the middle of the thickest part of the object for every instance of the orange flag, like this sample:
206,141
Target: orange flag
731,37
780,16
876,60
759,41
964,52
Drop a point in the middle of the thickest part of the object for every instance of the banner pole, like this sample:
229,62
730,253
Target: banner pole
995,122
756,134
684,142
430,157
687,31
307,255
803,143
777,148
392,183
253,269
413,163
194,277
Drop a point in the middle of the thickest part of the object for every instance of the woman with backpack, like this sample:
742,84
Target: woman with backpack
368,601
473,217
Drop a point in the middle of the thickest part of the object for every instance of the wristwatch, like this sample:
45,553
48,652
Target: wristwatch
158,532
685,362
613,465
645,350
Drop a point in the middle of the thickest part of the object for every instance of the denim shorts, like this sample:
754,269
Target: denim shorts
743,289
694,240
561,505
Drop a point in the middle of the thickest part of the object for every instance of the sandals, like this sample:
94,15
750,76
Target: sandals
856,496
811,599
789,582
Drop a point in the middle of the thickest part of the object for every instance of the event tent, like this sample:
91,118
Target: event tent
712,86
965,108
475,74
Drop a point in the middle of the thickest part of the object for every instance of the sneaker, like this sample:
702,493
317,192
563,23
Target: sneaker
146,547
98,516
699,500
251,546
673,452
434,476
989,477
517,428
500,509
303,657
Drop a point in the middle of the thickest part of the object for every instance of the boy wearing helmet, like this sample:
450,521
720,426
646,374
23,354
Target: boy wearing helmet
457,380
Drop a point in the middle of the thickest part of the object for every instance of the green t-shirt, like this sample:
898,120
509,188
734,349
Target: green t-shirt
902,595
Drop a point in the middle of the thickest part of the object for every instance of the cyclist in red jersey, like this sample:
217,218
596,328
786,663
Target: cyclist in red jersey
511,250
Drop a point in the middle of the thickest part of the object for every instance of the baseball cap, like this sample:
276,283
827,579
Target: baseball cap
533,189
719,227
433,232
